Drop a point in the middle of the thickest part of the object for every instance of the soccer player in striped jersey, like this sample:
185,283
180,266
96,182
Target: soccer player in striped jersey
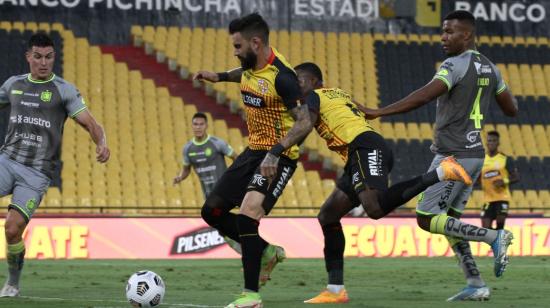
276,123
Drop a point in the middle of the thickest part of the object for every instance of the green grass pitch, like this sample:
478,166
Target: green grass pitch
388,282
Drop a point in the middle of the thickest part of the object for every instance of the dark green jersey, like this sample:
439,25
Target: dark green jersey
38,112
472,81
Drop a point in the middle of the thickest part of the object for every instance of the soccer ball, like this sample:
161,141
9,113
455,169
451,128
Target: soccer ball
145,289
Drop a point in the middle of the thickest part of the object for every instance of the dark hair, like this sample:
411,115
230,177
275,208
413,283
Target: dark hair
200,115
40,39
493,133
311,68
250,25
463,16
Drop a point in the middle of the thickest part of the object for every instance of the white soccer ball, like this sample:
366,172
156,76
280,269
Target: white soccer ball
145,289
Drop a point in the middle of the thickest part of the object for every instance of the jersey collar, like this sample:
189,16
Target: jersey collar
40,81
201,143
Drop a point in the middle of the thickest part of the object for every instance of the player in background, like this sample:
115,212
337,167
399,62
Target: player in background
464,85
497,174
206,154
276,123
365,180
40,103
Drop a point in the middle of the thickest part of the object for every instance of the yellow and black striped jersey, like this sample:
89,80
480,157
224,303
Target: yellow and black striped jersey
268,95
497,167
339,120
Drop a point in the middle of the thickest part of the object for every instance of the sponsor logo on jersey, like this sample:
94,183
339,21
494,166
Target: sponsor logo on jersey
200,240
205,169
46,96
472,136
16,92
19,119
30,104
253,100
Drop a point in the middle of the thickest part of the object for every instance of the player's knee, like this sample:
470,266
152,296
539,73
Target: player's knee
324,218
369,201
424,222
211,215
13,232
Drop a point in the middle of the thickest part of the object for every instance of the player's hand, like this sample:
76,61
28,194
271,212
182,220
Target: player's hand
102,153
268,167
206,75
177,179
370,113
499,184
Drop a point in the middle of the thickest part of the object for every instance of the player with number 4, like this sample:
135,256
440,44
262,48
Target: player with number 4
464,85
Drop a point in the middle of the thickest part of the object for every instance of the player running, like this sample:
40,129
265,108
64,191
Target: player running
365,180
40,103
464,85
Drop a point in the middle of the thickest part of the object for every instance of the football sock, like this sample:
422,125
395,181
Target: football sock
402,192
252,248
15,257
335,288
335,243
446,225
466,262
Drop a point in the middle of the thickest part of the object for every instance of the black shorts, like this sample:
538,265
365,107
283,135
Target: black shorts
493,209
244,175
369,164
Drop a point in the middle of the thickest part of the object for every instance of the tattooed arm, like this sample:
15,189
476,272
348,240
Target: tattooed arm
301,128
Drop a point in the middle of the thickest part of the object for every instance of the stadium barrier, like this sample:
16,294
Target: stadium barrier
176,238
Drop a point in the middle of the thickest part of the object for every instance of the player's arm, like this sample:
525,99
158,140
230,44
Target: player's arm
508,103
418,98
4,98
184,173
233,75
87,121
289,90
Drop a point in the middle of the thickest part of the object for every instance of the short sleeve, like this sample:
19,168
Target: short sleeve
451,71
313,102
501,85
287,87
4,91
185,152
72,100
510,165
222,146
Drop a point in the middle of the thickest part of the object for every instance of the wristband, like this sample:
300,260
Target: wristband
224,76
277,149
506,181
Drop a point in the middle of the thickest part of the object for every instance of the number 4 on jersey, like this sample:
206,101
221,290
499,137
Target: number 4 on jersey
476,114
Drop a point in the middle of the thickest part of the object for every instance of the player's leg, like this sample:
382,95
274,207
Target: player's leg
487,216
335,207
227,194
259,257
440,197
502,213
29,187
371,161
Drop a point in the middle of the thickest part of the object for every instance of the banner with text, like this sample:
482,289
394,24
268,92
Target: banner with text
173,238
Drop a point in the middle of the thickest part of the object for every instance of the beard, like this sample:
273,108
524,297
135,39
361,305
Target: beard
248,61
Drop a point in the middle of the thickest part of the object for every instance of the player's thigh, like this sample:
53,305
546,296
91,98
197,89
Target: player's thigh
271,190
502,209
230,189
30,187
443,196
